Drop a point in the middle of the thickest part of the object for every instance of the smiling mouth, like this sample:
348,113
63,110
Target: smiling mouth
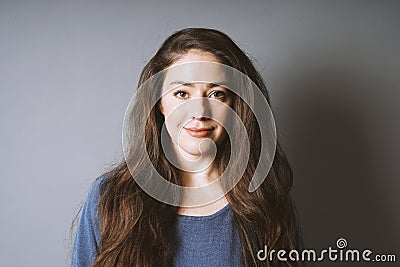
199,132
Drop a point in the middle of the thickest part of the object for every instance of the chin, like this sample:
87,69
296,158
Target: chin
194,150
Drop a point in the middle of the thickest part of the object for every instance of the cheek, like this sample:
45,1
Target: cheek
174,120
223,116
168,104
163,107
221,134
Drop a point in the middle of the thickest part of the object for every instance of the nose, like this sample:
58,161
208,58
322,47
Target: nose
200,108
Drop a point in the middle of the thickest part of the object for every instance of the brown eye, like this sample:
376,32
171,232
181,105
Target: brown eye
217,94
181,94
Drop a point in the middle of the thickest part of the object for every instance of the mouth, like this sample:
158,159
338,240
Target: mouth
199,132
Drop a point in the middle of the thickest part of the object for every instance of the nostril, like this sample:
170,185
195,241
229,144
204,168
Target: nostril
200,118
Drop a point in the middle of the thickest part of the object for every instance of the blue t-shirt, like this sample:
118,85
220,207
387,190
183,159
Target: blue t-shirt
211,240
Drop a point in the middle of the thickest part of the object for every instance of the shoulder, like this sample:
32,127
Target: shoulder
87,239
94,191
92,198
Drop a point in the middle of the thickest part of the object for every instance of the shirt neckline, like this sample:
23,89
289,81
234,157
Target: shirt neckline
205,217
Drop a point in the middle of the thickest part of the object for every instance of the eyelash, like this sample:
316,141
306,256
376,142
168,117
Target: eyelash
222,94
177,93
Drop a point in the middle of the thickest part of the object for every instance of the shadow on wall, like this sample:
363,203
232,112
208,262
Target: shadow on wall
338,162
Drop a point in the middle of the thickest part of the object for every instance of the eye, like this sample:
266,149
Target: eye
218,94
181,94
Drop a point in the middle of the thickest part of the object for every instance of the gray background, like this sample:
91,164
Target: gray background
69,68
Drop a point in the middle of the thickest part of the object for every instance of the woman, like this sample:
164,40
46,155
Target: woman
125,223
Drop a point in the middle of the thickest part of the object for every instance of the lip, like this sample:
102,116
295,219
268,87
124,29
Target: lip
199,132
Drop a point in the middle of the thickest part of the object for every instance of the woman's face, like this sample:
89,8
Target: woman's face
195,111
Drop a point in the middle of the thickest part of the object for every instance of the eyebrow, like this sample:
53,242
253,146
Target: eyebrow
190,84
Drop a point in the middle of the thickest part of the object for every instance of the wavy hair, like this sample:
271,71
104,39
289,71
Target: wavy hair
137,230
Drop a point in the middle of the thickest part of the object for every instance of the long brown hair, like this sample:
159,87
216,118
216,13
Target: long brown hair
137,230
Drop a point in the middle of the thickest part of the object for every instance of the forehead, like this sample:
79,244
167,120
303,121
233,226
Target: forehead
195,67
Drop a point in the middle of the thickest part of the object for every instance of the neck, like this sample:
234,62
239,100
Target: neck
199,174
200,178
